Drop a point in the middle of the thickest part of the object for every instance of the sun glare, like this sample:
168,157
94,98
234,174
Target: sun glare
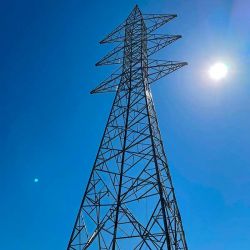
218,71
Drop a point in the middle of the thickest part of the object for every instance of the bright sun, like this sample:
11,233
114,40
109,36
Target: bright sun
218,71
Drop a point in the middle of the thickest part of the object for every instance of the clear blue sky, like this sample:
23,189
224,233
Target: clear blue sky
51,126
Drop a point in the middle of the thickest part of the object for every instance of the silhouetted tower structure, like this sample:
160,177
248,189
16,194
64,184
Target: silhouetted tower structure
129,202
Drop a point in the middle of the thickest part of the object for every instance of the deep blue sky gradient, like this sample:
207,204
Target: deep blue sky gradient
51,126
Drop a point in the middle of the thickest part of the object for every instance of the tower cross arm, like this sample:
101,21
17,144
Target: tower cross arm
156,70
155,42
117,35
110,84
155,21
160,68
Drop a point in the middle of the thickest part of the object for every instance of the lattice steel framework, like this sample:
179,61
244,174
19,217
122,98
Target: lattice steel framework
129,202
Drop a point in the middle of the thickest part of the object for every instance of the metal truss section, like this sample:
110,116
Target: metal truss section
156,70
129,202
153,22
156,42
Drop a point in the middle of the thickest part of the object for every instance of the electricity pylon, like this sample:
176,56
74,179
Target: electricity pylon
129,202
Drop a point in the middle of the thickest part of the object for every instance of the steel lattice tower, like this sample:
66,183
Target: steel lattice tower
129,202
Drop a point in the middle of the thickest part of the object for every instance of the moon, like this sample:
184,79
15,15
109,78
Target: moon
218,71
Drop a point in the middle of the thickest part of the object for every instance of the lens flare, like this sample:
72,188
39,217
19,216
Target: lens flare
36,180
